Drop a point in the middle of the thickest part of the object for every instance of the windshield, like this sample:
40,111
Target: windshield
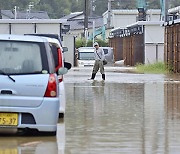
20,57
86,55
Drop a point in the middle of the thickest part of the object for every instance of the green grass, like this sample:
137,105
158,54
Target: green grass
156,68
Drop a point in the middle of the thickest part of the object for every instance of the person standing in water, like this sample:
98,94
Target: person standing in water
98,64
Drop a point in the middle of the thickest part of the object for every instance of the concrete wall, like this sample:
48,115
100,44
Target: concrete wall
68,41
154,43
154,53
122,21
24,26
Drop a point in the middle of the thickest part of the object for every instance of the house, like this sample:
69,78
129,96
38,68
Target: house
76,22
140,42
8,14
122,18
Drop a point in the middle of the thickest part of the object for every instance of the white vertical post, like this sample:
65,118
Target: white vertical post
93,31
15,12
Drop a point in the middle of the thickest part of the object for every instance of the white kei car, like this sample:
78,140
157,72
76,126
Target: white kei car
29,86
57,52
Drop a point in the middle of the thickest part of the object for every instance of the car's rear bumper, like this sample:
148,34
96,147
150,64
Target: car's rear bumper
45,115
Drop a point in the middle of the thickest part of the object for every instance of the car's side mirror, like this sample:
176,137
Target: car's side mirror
67,65
62,71
65,49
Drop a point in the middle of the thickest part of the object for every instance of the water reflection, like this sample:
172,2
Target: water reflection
172,115
34,144
122,118
28,145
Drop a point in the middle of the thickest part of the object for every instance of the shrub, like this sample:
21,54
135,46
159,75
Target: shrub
156,68
82,43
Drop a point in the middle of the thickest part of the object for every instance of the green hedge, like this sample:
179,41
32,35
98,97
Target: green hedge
82,43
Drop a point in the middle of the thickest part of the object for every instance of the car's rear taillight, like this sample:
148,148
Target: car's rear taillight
60,59
60,63
51,90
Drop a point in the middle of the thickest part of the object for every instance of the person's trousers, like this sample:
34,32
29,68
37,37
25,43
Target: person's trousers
98,65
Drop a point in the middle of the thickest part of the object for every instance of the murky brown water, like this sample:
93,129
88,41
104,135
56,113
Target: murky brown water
128,113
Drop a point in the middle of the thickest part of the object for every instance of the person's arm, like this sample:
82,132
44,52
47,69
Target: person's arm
103,56
95,55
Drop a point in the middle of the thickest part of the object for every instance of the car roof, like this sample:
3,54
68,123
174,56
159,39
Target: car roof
55,36
53,41
22,38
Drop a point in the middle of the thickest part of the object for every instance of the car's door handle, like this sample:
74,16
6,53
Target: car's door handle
6,92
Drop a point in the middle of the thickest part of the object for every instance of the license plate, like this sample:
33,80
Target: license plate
8,151
8,119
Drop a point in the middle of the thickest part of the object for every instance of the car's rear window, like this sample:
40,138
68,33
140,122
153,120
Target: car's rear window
105,51
20,57
86,55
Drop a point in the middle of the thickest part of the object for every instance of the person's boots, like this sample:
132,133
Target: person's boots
93,76
103,76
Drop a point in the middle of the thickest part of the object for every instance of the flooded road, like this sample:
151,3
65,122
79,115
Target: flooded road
127,113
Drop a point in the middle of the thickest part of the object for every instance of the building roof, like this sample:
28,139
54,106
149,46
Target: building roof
76,21
7,13
34,21
132,12
32,15
79,23
72,15
25,15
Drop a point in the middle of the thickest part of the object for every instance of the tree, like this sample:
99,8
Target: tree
59,8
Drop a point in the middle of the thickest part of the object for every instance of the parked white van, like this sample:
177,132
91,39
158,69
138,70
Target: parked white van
86,55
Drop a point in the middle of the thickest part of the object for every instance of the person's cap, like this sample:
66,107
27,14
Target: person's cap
96,44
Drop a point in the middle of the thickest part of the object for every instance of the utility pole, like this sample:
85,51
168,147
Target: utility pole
166,10
86,19
109,14
91,8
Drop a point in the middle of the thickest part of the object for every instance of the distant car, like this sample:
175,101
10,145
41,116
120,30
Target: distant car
86,55
29,87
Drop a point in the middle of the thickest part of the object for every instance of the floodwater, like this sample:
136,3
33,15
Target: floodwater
127,113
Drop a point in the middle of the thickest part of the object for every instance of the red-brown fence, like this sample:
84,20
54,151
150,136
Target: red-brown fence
172,47
130,47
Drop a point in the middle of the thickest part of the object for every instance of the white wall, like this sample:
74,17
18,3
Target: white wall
68,41
4,28
154,43
48,28
22,28
154,33
154,53
122,21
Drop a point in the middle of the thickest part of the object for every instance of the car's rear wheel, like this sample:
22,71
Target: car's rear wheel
48,133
